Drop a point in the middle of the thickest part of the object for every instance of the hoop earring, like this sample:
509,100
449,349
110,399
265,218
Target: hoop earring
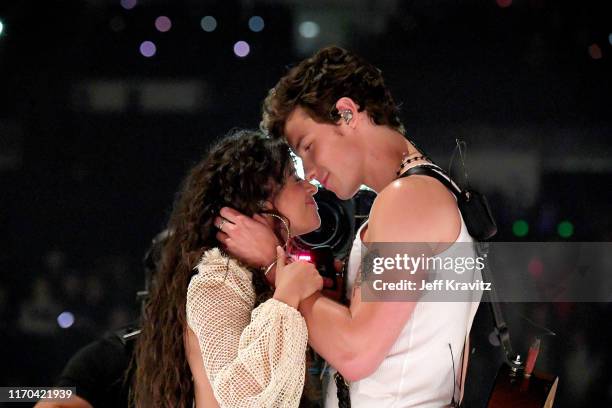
346,115
284,224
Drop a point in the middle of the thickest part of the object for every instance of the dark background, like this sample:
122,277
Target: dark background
95,137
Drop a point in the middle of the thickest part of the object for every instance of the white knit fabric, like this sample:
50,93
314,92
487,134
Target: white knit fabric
253,358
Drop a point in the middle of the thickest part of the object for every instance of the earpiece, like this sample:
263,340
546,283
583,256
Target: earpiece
346,115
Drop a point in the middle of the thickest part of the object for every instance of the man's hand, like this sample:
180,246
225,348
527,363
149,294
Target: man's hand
249,239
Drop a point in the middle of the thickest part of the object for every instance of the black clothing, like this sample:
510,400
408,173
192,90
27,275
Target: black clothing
98,371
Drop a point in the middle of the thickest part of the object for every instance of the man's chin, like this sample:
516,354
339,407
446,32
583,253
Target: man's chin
345,195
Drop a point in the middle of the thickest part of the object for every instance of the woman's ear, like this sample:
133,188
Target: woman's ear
265,205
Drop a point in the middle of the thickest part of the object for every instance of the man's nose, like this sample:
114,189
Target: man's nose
310,175
310,187
310,171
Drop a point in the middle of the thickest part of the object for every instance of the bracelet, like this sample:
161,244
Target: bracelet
267,269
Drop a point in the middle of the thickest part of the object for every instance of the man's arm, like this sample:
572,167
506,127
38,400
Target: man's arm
355,341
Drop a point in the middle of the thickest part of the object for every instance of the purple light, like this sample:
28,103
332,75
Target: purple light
163,24
65,320
148,49
128,4
242,49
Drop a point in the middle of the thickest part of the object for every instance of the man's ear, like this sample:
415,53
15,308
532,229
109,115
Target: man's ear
348,111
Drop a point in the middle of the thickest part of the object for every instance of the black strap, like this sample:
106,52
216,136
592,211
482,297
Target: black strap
482,249
432,171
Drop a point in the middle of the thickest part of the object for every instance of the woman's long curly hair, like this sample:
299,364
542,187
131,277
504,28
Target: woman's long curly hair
240,171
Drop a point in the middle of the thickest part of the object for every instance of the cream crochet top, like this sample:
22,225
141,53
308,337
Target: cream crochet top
252,357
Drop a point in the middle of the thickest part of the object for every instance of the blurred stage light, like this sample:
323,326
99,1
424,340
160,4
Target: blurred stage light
65,320
565,229
309,29
504,3
546,223
208,24
256,24
1,27
163,24
299,166
595,51
610,39
242,49
535,267
304,257
128,4
520,228
117,24
148,49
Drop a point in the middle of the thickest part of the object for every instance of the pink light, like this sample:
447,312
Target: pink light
535,268
595,51
304,257
504,3
163,24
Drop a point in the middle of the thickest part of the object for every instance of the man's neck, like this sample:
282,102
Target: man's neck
386,148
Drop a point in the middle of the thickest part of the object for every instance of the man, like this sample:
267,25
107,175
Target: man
100,372
337,115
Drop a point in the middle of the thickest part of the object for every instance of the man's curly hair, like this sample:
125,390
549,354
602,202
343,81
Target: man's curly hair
239,171
318,82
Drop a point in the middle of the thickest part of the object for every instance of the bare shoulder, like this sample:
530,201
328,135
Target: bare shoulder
414,209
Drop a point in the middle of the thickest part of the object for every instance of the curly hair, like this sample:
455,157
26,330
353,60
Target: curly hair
318,82
240,171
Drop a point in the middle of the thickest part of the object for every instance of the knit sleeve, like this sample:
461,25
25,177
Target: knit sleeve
252,357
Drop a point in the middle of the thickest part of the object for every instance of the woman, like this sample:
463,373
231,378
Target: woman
222,332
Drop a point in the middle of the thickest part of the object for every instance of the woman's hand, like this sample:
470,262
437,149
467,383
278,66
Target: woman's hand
250,240
296,281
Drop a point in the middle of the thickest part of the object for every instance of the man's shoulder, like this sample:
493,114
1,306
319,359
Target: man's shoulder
416,208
